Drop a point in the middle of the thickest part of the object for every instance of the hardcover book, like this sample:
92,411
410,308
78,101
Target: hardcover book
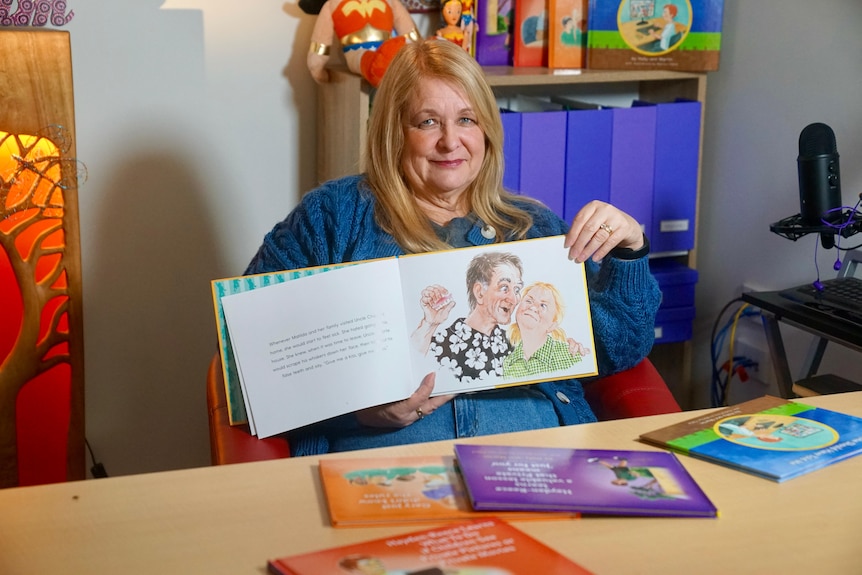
487,546
769,437
683,35
590,481
494,43
567,40
355,328
531,33
411,489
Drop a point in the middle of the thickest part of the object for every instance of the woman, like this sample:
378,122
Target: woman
434,181
540,344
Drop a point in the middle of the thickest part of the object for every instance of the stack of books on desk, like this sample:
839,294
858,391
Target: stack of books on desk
474,493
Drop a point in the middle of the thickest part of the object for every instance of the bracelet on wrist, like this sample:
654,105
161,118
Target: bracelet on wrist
630,254
319,49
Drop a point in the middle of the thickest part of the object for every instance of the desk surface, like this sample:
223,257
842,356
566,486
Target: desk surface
231,519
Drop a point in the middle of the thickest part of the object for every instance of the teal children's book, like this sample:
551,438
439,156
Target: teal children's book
683,35
769,437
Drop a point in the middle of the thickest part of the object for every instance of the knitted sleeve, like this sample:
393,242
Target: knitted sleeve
624,299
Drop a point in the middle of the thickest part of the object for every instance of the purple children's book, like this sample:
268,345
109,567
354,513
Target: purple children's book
589,481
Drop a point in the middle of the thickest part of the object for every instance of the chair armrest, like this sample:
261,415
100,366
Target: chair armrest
634,392
234,443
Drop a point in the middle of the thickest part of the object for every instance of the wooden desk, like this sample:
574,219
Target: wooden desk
231,519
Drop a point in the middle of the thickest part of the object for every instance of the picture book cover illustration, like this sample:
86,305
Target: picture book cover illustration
567,28
531,33
393,321
590,481
388,490
682,35
773,438
480,547
494,43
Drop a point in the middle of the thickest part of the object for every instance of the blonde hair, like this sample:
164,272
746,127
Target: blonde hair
396,210
558,333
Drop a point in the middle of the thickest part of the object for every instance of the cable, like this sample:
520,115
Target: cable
98,470
730,361
719,384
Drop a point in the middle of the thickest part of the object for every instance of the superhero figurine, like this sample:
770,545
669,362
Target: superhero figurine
364,29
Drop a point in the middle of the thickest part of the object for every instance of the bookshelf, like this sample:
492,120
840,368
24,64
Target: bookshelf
343,108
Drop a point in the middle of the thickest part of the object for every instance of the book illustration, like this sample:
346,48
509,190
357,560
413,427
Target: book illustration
654,34
487,546
384,490
770,437
283,347
479,345
594,481
779,432
567,26
531,33
494,43
652,30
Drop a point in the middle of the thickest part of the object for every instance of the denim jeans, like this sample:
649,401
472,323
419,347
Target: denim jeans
468,415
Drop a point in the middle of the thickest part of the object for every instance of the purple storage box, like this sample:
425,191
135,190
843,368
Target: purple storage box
673,324
676,282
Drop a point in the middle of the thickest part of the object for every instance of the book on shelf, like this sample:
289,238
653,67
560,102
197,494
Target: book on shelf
567,34
369,491
530,33
354,327
589,481
651,35
487,546
770,437
494,43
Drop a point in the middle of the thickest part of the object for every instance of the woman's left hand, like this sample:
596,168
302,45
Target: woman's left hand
403,413
600,227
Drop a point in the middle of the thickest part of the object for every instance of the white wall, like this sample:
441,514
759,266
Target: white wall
196,121
784,64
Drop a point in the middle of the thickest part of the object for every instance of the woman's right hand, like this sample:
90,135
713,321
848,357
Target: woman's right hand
403,413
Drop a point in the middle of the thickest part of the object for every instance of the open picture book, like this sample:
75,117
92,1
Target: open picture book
304,346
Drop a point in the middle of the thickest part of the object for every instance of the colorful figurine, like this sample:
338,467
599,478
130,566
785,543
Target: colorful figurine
364,28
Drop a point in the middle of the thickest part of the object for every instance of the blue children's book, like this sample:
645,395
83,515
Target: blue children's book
769,437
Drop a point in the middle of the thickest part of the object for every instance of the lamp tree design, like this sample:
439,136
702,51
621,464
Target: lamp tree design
34,287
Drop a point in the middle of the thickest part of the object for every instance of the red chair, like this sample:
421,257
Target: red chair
632,393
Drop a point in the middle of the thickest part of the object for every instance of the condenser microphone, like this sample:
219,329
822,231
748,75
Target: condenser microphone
819,179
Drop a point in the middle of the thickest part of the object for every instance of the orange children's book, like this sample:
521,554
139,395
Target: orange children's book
531,33
389,490
488,546
567,34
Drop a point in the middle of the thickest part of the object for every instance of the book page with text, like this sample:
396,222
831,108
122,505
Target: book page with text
321,346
